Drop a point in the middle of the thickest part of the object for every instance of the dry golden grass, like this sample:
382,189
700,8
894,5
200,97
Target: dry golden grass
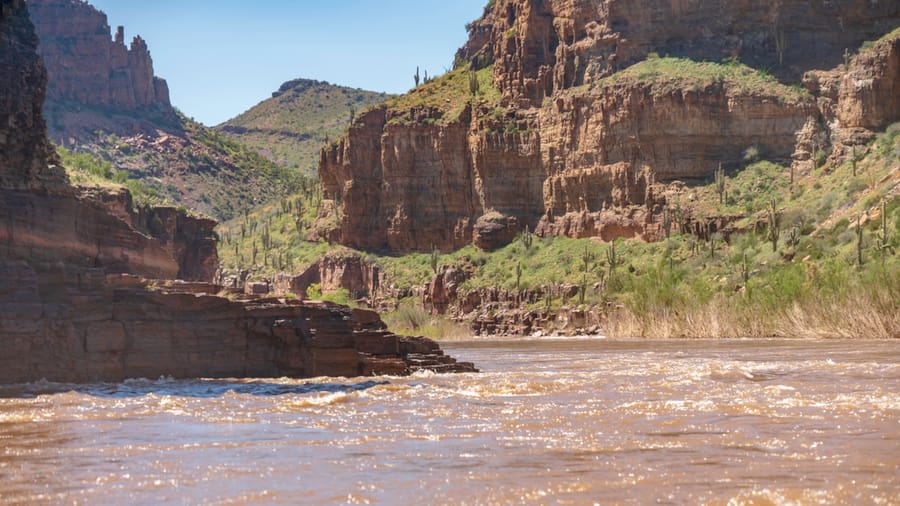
860,314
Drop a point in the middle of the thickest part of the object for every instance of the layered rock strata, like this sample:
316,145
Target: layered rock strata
540,47
74,302
67,324
588,163
856,99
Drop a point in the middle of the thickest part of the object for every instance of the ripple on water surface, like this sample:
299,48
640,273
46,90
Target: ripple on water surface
559,422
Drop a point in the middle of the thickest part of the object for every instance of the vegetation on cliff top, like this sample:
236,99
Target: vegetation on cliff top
301,116
449,93
670,74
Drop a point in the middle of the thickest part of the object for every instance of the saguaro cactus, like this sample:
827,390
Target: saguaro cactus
884,239
745,269
720,184
527,238
435,256
859,240
474,85
773,225
518,274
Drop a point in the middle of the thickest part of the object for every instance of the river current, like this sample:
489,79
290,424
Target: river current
548,422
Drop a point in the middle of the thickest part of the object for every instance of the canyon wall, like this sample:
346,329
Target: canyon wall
591,128
543,46
75,304
86,65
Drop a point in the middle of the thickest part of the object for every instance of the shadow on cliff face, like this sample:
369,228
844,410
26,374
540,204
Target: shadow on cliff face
184,388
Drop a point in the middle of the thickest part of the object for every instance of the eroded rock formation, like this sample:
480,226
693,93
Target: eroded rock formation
582,144
87,66
541,47
75,304
331,272
856,99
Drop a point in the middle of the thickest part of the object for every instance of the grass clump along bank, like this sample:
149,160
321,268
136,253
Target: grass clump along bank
411,318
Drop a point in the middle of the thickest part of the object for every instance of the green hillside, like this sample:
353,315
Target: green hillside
178,159
301,116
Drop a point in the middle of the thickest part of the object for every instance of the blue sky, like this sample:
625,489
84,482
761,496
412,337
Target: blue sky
221,57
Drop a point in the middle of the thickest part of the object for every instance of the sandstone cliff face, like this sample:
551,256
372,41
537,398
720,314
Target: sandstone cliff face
590,162
585,140
86,65
410,188
540,47
869,94
855,101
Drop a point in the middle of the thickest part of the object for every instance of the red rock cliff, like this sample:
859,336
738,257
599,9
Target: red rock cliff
86,65
542,46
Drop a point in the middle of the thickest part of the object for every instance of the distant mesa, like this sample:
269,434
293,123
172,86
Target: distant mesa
298,85
290,127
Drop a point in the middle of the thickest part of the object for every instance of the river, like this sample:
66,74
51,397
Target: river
548,422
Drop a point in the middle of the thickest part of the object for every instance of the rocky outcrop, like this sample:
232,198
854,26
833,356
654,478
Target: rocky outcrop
67,324
333,272
498,312
869,93
856,100
416,187
87,66
186,242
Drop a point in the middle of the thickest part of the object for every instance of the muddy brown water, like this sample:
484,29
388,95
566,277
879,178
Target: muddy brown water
547,422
